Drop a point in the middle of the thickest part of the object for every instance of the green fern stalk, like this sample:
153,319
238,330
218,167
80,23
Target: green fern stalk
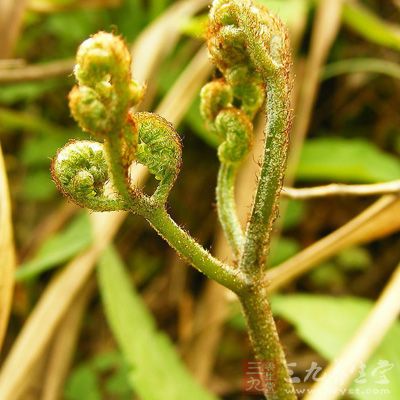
250,48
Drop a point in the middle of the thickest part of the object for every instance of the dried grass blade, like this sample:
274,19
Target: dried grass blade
63,347
326,25
47,314
376,221
338,376
7,255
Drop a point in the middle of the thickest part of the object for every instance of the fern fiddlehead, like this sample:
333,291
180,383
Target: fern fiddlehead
249,46
80,171
159,148
96,175
228,105
101,104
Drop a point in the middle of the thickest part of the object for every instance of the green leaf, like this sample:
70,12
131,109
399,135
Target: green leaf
130,18
328,323
85,23
83,384
59,248
157,7
364,65
354,258
11,120
328,275
107,360
113,367
370,26
196,123
27,91
346,160
103,376
281,250
196,26
38,150
38,185
118,385
156,370
294,214
289,11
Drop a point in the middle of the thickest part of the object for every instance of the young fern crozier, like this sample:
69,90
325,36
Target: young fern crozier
249,46
96,175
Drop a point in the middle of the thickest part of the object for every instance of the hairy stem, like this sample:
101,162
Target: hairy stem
266,345
120,177
113,151
193,253
264,38
265,207
261,325
227,208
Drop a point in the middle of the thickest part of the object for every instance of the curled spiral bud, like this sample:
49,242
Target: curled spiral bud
159,149
227,46
80,171
264,66
237,128
215,96
222,13
97,175
101,57
249,46
266,37
105,89
88,110
226,42
260,36
247,87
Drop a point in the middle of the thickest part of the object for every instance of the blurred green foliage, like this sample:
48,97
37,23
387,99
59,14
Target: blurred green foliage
346,160
34,118
327,323
59,248
106,374
155,370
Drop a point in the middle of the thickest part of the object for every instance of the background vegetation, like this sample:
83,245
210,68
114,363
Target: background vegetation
102,308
